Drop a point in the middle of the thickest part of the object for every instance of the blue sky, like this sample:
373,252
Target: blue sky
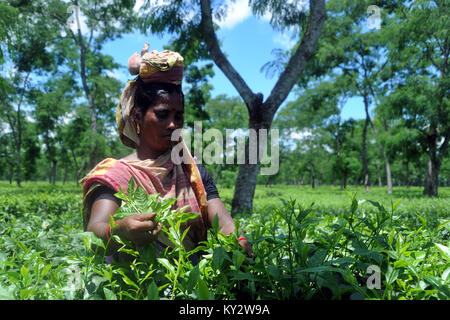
247,41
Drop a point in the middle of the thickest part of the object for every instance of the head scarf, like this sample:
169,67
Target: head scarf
162,67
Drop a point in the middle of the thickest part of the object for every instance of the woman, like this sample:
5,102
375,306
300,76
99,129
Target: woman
150,109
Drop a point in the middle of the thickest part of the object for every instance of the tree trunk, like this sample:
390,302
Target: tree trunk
17,134
364,144
11,175
385,157
431,179
82,168
378,174
313,178
92,108
436,128
433,165
53,174
408,176
388,175
83,49
244,189
65,175
18,164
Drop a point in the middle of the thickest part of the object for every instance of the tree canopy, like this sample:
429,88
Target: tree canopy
59,94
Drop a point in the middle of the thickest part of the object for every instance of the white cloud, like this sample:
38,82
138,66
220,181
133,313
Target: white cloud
115,74
299,135
138,5
237,11
68,117
285,40
30,118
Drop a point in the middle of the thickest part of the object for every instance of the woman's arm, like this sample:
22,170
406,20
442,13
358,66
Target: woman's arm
134,228
226,222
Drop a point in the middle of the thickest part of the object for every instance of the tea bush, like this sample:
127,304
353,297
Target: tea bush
320,243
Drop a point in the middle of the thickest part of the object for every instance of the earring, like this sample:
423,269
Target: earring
138,129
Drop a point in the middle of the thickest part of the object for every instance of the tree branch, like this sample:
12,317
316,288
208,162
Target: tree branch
302,55
219,58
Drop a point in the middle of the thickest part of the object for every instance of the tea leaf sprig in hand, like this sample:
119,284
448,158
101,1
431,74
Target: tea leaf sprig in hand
136,200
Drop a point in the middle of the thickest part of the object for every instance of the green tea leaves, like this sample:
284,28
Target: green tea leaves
203,290
219,254
167,265
109,295
445,251
152,291
193,278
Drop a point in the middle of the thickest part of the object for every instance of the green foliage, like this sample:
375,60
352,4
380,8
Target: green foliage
303,250
283,14
197,93
7,20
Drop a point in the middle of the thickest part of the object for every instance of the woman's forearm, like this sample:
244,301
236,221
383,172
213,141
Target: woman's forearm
226,222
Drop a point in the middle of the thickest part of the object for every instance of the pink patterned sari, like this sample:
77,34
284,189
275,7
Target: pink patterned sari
182,181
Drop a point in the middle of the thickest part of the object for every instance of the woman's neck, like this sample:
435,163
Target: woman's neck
145,153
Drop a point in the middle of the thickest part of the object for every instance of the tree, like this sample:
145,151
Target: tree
104,21
317,110
7,22
52,103
28,54
418,55
31,151
197,94
348,49
199,31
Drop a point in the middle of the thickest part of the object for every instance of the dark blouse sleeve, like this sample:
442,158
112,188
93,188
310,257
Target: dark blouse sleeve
208,182
105,192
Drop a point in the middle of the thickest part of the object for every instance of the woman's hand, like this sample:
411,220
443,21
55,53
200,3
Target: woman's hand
140,229
247,246
226,222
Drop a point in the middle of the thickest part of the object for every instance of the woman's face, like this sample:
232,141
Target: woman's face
159,122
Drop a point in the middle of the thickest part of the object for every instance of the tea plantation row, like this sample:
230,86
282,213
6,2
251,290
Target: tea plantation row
320,243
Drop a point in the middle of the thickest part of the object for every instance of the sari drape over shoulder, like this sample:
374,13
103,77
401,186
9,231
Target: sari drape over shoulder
181,181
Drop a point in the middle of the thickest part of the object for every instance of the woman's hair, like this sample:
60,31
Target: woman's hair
147,93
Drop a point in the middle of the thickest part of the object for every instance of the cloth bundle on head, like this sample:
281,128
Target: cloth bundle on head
162,67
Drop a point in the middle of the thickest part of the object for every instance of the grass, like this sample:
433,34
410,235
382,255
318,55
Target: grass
330,196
